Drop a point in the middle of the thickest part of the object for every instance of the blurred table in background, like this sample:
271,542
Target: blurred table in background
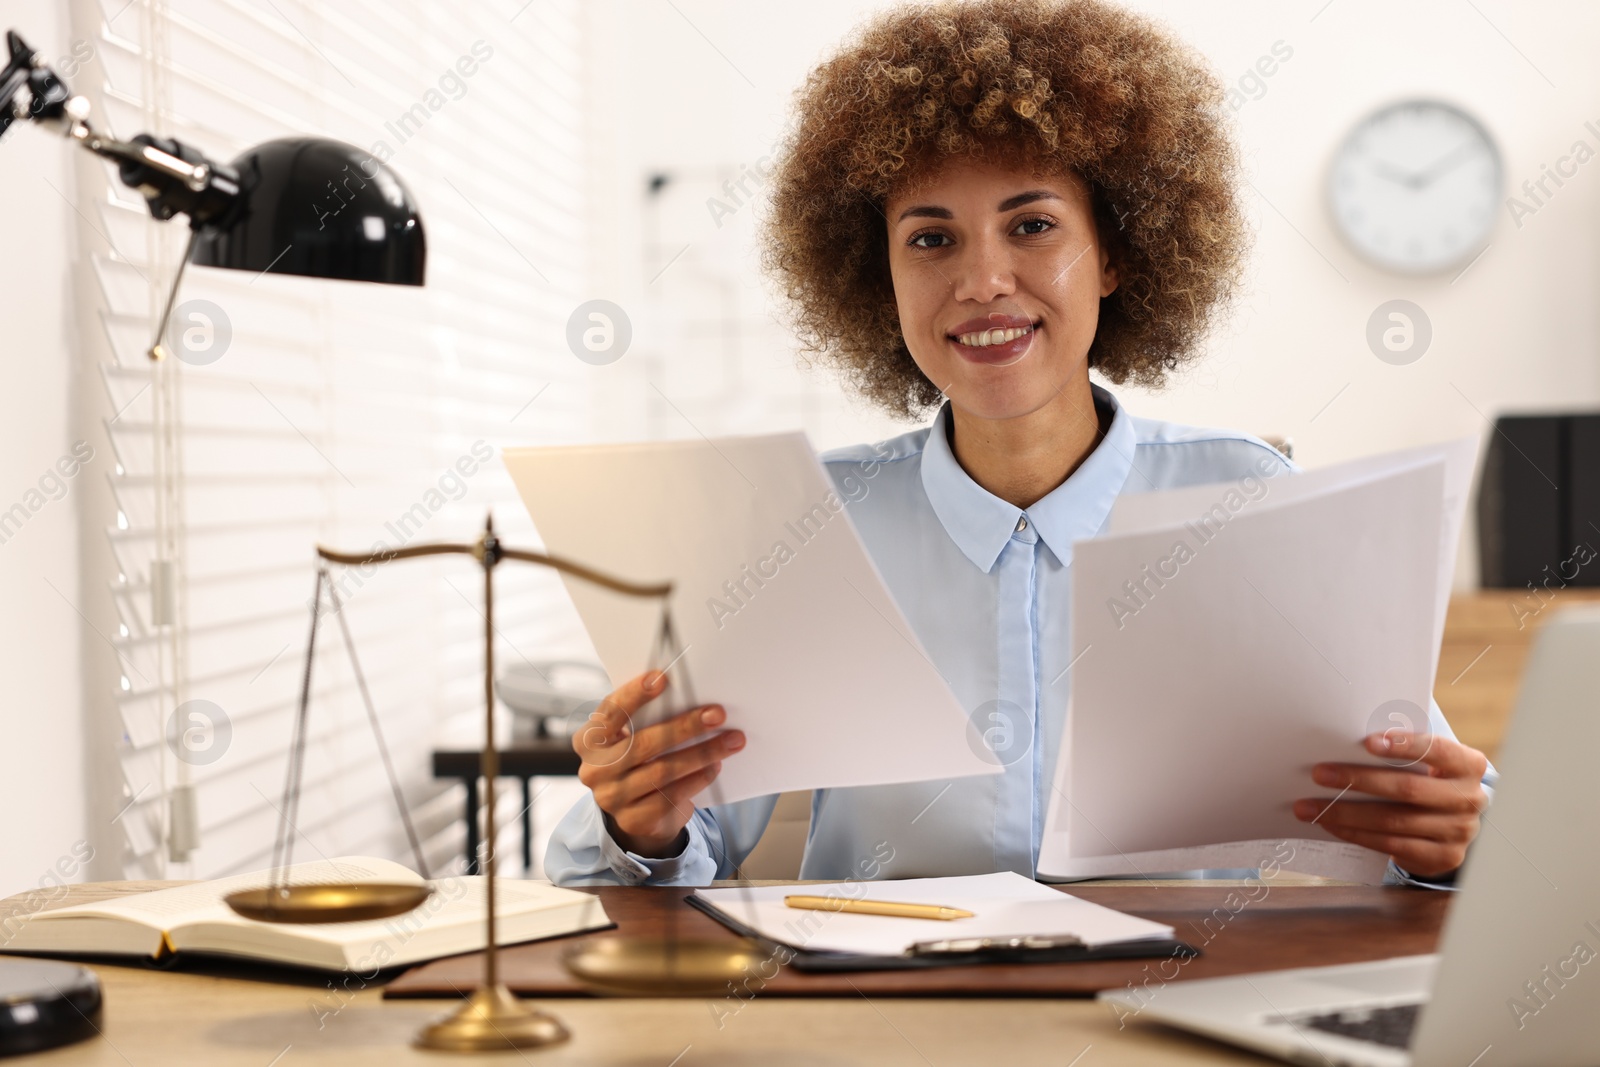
1487,635
524,760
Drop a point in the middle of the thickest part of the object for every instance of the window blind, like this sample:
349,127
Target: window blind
350,415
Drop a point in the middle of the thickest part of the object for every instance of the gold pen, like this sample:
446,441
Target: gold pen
878,907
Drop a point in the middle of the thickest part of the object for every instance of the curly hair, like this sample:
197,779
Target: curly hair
1079,85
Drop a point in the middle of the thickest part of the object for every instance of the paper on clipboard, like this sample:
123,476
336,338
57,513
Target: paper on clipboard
782,615
1004,904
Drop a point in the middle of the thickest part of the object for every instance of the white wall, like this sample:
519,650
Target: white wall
1516,331
41,726
707,84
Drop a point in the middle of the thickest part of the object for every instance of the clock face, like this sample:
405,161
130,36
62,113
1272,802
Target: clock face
1416,187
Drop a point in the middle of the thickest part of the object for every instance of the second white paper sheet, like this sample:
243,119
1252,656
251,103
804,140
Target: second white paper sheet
783,617
1219,673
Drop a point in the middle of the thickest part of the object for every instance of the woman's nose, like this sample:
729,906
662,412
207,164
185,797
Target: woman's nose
984,273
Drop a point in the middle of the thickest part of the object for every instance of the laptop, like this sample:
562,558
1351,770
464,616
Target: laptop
1516,980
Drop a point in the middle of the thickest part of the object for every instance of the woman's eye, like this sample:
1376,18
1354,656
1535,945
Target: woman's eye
931,239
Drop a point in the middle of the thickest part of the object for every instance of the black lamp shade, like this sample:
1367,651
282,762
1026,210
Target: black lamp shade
320,208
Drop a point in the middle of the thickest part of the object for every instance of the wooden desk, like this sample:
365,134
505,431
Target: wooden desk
1487,635
180,1020
238,1019
1239,928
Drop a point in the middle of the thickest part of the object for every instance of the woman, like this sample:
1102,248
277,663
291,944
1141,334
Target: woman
979,203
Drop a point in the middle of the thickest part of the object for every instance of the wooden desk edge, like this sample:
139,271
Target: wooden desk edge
33,901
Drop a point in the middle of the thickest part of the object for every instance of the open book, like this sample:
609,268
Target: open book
194,919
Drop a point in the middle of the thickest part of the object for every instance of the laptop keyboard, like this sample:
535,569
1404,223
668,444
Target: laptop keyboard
1389,1026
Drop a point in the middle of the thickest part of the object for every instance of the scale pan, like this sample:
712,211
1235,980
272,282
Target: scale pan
327,903
657,967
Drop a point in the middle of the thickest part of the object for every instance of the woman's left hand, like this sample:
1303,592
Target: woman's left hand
1425,821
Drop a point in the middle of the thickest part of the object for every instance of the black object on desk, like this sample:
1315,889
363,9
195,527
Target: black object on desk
46,1003
1539,503
542,758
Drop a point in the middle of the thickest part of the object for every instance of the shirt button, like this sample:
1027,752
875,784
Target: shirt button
1022,523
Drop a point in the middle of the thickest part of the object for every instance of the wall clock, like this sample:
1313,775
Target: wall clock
1416,187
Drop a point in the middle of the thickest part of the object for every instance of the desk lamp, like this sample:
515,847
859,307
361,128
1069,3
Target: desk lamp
299,205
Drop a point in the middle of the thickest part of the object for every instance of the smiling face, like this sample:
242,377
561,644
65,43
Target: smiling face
998,274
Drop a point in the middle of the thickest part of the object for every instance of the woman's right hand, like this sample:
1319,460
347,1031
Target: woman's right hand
644,790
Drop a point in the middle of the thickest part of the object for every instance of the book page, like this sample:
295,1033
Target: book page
450,921
456,902
165,909
195,918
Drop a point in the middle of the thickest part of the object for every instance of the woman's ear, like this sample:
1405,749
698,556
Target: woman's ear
1109,239
1110,276
1107,236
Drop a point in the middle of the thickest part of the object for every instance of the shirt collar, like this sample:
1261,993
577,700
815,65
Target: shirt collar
980,523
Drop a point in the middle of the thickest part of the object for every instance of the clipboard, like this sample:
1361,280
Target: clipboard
959,952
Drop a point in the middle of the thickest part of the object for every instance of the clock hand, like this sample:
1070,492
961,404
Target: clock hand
1429,174
1444,164
1394,174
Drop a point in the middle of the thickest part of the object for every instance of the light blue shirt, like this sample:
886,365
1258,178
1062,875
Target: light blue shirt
987,588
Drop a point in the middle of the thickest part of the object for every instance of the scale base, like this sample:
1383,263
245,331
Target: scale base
492,1020
664,967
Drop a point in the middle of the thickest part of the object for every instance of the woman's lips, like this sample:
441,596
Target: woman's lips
997,355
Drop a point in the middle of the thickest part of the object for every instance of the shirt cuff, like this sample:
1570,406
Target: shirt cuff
1446,881
635,869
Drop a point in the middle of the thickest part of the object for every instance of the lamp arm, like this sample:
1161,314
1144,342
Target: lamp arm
173,177
144,153
29,89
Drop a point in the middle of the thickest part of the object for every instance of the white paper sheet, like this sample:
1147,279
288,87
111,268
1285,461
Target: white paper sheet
1006,905
1324,857
1339,860
1201,700
783,617
1145,511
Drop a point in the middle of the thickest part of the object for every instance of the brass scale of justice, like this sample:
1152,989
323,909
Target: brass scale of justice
492,1019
